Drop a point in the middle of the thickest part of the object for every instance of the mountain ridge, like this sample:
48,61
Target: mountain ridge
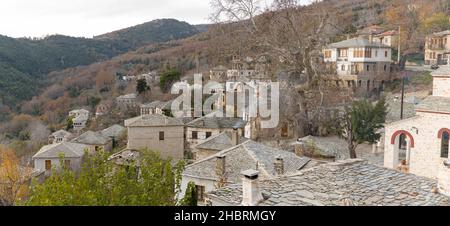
31,59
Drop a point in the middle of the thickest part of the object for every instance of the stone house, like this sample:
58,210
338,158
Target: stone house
156,107
380,35
128,101
59,137
216,143
198,130
226,166
218,74
103,108
49,156
420,145
79,123
344,183
79,113
359,64
95,141
437,48
157,133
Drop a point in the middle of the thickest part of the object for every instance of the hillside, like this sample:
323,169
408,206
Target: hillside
156,31
24,62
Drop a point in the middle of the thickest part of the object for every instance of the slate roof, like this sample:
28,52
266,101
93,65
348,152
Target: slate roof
443,70
327,147
248,155
128,96
113,131
217,123
435,104
92,138
153,121
69,149
153,104
335,184
61,133
218,142
126,157
442,33
355,43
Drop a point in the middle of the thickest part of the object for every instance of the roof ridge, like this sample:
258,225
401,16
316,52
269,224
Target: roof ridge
215,155
252,155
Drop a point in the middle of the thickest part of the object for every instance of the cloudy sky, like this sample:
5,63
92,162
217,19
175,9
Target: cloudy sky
86,18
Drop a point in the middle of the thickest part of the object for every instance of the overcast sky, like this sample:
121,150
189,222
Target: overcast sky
86,18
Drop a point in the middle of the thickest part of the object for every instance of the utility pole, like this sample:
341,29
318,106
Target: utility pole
403,98
399,44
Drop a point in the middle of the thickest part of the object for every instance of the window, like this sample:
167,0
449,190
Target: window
327,54
161,135
343,68
97,148
200,192
368,53
385,53
376,53
194,135
343,52
385,67
444,145
208,135
67,164
48,164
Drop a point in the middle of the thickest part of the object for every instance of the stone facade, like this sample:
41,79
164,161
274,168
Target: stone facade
418,144
157,133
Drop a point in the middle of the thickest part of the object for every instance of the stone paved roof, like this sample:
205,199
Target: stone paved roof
442,33
113,131
248,155
355,43
92,138
218,142
435,104
69,149
217,123
327,147
333,184
154,120
126,157
61,133
128,96
153,104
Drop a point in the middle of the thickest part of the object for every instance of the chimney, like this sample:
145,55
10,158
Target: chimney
279,165
235,137
251,195
220,165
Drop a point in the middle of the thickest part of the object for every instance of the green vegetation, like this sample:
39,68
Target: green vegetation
151,182
423,79
190,196
168,77
141,86
25,62
361,123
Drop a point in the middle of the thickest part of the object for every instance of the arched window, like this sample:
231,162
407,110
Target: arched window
444,144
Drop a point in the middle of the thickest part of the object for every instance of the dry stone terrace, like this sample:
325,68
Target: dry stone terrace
349,182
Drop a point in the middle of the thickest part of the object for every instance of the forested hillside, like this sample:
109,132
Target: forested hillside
24,62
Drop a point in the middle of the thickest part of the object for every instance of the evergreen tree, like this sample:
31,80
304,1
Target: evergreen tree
142,86
190,196
361,123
